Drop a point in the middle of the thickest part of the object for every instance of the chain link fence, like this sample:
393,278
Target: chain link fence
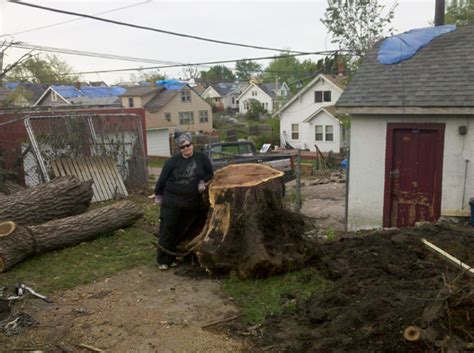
29,145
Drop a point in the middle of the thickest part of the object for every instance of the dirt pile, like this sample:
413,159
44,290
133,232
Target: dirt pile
383,283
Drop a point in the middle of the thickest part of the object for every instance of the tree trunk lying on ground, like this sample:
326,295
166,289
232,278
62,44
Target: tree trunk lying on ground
62,197
19,242
9,187
248,231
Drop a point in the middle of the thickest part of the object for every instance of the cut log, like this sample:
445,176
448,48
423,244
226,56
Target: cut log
19,242
9,187
247,230
62,197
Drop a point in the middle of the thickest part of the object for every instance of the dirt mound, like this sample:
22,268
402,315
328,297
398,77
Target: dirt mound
383,283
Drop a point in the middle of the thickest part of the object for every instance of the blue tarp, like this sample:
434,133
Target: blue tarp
172,85
11,85
403,46
89,91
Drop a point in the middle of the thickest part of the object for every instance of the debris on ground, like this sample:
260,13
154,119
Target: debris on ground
383,284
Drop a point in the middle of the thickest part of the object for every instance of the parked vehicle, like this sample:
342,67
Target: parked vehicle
224,153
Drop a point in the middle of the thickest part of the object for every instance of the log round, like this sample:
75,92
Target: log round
62,197
18,242
247,230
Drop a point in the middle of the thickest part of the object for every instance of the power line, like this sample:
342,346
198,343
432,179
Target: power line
23,45
190,64
75,19
120,23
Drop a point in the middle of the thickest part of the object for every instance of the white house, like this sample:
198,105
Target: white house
412,146
224,95
267,94
309,119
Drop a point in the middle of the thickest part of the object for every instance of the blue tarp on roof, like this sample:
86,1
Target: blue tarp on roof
172,85
89,91
11,85
403,46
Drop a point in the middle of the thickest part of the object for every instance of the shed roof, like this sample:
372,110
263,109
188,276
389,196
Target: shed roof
439,75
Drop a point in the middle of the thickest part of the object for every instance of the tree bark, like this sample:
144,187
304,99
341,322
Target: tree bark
18,242
248,231
62,197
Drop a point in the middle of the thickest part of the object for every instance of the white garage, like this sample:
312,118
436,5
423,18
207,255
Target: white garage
158,142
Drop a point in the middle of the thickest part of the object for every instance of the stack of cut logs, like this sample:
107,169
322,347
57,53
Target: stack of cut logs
53,216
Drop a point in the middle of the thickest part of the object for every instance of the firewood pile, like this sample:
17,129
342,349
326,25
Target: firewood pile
53,216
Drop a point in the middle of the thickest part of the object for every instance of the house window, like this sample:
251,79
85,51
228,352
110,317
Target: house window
130,102
254,93
327,96
266,106
186,118
216,100
185,95
318,129
203,116
329,132
168,116
54,96
295,131
322,96
246,105
233,100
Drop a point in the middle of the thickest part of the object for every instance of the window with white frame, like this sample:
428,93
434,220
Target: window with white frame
54,96
233,100
203,116
246,105
186,118
130,102
185,95
254,93
322,96
168,116
295,131
329,133
266,106
318,133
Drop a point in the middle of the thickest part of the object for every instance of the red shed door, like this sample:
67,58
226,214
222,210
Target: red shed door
413,174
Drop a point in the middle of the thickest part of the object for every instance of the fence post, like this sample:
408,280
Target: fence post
298,181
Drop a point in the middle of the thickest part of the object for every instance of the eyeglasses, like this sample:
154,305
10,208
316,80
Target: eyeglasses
185,146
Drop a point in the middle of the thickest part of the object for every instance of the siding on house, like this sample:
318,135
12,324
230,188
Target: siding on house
175,106
367,177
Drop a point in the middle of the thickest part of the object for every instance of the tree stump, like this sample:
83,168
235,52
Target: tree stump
62,197
20,242
247,230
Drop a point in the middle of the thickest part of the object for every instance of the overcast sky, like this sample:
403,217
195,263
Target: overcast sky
276,24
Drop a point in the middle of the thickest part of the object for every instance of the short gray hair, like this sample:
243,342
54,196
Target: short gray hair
184,137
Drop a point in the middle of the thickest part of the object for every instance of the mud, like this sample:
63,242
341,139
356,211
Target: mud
384,282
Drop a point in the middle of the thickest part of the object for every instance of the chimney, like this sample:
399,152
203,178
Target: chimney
340,68
77,84
439,13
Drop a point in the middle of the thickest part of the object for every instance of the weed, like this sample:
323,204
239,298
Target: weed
330,233
258,298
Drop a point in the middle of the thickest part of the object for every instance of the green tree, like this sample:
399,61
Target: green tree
355,25
147,76
460,13
256,111
247,69
38,69
290,70
217,73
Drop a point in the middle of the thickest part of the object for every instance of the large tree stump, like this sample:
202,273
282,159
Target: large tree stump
62,197
248,231
19,242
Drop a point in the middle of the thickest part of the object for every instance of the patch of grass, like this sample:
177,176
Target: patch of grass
156,163
258,298
84,263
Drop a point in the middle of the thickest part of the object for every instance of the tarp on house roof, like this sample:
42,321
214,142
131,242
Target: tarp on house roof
404,46
89,91
67,91
172,85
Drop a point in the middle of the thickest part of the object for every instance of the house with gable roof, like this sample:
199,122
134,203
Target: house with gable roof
412,137
169,105
20,94
308,119
66,95
268,95
224,95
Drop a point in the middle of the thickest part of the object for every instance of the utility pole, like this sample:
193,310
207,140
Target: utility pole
1,67
439,13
